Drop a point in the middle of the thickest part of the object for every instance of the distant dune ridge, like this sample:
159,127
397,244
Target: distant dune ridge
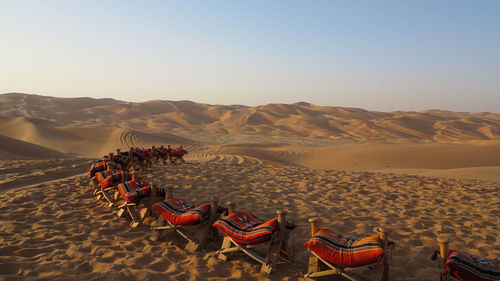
299,120
433,142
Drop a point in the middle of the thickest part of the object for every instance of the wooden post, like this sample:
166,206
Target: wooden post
381,272
314,262
226,242
123,177
153,198
383,235
214,206
132,159
444,248
169,194
283,237
204,231
231,207
314,225
154,193
277,250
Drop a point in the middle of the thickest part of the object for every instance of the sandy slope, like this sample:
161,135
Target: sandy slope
466,160
475,160
56,230
16,149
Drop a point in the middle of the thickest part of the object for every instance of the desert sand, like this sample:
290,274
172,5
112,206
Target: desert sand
418,174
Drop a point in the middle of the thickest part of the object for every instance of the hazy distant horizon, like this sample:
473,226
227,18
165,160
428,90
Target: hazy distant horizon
245,105
383,55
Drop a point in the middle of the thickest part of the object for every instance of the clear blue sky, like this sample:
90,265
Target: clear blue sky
381,55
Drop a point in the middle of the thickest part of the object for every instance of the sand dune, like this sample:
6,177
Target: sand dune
15,149
379,156
477,160
80,141
296,121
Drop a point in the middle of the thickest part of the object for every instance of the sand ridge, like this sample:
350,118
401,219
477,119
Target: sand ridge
298,120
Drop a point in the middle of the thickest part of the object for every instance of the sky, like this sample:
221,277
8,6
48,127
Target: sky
376,55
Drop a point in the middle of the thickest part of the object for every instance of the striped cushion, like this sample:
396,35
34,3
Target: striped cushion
180,212
101,176
245,228
468,267
179,152
112,179
345,251
97,167
133,191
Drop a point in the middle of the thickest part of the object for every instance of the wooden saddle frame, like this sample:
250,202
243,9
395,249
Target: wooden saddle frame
277,246
202,229
140,210
319,267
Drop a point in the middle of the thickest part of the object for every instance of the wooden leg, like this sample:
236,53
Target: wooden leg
136,219
107,196
156,233
378,273
143,213
116,195
314,264
201,238
121,212
278,250
226,244
95,186
203,233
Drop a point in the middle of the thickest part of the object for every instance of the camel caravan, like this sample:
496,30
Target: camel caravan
116,179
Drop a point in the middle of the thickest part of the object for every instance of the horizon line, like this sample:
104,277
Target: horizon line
251,106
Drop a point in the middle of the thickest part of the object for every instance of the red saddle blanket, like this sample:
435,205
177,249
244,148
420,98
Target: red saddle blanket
110,178
245,228
341,250
467,267
134,190
178,152
98,166
180,212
